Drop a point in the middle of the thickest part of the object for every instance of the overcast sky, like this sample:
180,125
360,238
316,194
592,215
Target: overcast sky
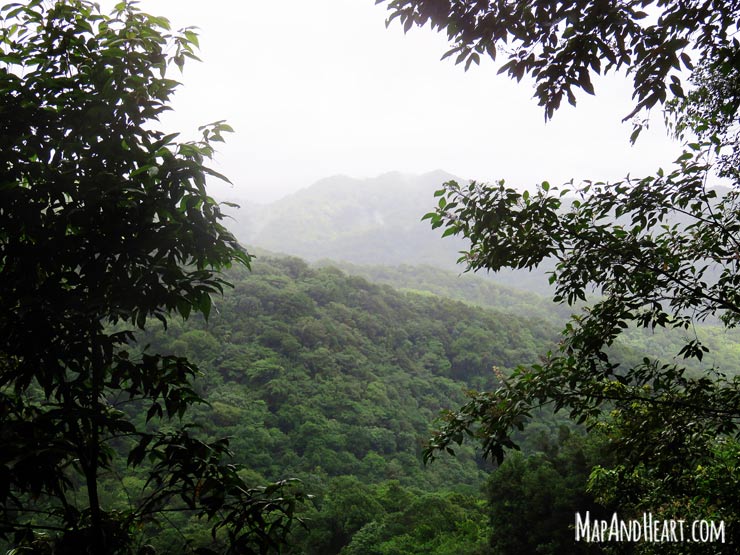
319,88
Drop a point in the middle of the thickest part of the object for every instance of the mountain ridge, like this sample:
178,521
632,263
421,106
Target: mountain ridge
370,221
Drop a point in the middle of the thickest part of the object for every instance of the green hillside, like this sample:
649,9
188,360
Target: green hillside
476,289
373,221
315,372
326,377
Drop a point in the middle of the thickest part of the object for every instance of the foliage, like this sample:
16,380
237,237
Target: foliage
316,373
385,519
659,253
709,111
628,241
702,489
655,253
561,45
335,380
104,223
532,498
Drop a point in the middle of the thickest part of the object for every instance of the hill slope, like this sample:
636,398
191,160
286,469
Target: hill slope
315,372
327,377
363,221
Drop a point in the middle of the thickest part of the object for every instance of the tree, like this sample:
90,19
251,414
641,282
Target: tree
532,499
652,253
561,45
105,224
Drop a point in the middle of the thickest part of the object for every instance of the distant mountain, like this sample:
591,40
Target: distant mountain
373,221
365,221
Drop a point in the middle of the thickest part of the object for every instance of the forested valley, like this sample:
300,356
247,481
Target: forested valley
328,378
174,380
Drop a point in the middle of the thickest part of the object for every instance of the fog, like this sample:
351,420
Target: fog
319,88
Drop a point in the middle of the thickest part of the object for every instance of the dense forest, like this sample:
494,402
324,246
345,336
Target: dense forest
334,380
164,391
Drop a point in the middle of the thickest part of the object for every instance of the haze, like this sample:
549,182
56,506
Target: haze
319,88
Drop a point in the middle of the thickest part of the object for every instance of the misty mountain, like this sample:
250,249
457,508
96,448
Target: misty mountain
374,221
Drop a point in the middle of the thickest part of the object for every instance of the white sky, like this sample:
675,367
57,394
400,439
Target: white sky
320,88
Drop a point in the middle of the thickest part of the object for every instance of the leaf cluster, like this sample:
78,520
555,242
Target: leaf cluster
659,252
562,45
